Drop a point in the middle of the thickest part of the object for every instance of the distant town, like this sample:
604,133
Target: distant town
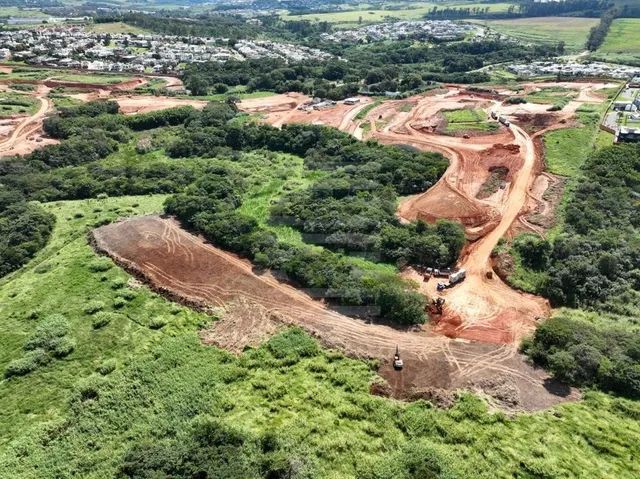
443,30
74,47
590,69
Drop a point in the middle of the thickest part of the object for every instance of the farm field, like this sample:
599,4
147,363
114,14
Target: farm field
571,30
622,43
412,11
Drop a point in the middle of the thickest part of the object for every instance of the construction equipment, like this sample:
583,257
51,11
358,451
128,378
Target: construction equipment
436,306
503,119
397,361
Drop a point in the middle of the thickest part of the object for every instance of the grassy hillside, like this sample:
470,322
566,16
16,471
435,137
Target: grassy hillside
132,382
622,43
571,30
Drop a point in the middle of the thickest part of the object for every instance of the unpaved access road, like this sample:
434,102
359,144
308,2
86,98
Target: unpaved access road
184,267
17,142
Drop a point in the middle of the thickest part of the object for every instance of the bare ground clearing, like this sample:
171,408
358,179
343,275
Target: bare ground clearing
185,268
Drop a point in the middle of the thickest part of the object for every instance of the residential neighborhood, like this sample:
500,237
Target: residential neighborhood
432,30
74,47
623,118
589,69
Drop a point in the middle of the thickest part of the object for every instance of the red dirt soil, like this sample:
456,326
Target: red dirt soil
185,268
479,308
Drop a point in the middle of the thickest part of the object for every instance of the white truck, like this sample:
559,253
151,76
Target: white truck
457,277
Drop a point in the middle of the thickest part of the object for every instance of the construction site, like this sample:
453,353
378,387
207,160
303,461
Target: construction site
495,181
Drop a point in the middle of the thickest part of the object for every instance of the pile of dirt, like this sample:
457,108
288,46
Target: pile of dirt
501,390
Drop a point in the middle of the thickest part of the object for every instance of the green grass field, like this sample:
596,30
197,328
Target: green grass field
545,30
404,11
115,27
16,104
567,149
92,78
467,119
622,43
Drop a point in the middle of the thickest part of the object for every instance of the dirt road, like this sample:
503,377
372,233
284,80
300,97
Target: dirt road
13,144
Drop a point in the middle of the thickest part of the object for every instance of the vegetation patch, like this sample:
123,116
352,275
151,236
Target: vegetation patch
467,119
495,182
567,149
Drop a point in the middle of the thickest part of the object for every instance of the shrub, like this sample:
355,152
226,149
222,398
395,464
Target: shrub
119,303
100,265
118,283
101,319
292,345
107,367
63,347
27,363
93,307
157,323
48,333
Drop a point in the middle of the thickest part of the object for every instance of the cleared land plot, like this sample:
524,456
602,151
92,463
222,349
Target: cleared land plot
572,31
622,43
415,12
185,267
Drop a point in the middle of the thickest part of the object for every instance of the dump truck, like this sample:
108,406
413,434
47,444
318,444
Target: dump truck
503,119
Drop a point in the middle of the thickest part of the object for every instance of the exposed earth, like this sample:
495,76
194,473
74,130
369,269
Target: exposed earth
187,269
474,342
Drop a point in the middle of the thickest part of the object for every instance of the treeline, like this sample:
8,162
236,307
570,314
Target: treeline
585,354
70,170
523,9
232,27
595,263
400,66
598,33
350,209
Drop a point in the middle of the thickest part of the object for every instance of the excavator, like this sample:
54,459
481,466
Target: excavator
398,364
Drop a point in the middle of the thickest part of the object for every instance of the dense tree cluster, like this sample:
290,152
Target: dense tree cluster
210,206
400,66
596,263
24,230
356,197
350,208
585,354
599,32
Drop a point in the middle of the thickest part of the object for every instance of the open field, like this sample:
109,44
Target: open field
413,11
571,30
622,43
467,119
115,27
567,149
17,104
